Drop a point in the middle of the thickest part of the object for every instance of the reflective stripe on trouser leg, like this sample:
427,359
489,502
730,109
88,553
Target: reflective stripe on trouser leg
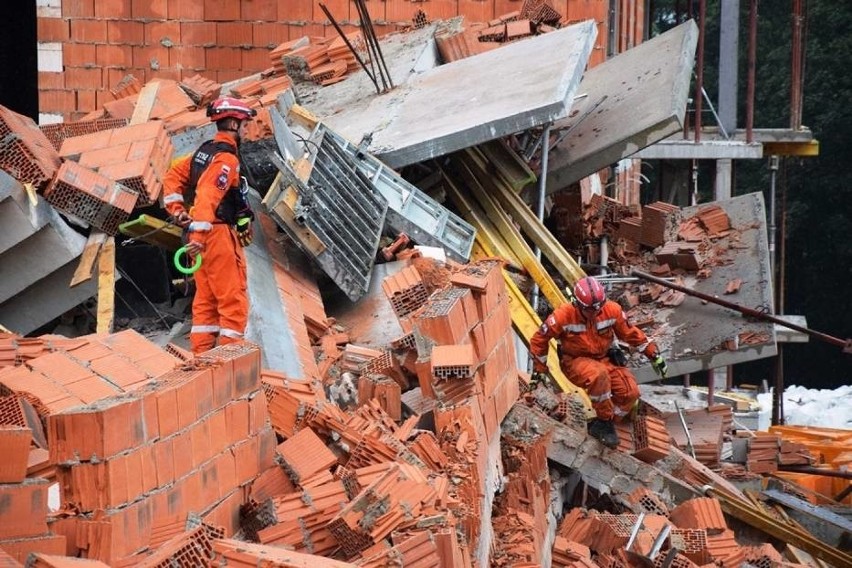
205,319
220,296
229,287
625,391
593,376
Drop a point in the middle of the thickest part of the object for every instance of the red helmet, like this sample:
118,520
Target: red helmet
229,107
589,294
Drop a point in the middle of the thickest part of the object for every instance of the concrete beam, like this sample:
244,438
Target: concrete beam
18,217
269,323
677,148
608,471
692,335
38,256
45,300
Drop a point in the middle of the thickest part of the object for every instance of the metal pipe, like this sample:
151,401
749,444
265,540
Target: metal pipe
752,59
349,45
699,79
542,194
847,344
773,170
685,429
796,61
816,471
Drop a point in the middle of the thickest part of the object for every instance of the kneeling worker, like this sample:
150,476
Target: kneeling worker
586,329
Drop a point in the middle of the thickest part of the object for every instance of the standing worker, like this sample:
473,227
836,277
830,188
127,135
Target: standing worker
206,195
586,329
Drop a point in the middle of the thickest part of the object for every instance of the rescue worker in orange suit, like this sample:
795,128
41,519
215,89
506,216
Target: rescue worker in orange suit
205,194
586,329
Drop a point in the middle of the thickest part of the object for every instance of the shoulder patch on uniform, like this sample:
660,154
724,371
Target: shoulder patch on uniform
222,179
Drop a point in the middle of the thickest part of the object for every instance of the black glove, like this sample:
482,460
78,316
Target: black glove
659,365
244,231
538,378
617,356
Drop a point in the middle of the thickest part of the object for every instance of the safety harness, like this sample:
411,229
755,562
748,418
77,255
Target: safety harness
234,205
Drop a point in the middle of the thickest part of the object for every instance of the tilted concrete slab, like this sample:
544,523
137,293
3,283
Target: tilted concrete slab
39,255
18,217
629,102
472,100
45,300
406,55
693,334
269,322
609,471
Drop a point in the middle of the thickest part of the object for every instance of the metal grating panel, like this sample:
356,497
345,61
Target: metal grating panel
342,209
410,210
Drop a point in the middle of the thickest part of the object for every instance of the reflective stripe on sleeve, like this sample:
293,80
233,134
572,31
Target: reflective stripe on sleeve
173,198
601,397
200,226
232,333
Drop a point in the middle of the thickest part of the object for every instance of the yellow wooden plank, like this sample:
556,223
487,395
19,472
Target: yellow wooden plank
303,116
106,286
514,206
513,238
800,149
86,266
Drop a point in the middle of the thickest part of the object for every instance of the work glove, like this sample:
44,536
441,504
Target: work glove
245,233
538,378
659,365
617,356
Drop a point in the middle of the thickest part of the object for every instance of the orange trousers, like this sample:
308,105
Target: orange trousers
220,307
612,389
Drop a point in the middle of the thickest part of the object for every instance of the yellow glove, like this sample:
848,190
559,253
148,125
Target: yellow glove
659,365
244,231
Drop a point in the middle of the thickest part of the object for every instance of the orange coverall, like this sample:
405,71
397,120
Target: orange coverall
220,307
584,345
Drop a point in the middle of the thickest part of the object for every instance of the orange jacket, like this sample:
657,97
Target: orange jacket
581,338
221,174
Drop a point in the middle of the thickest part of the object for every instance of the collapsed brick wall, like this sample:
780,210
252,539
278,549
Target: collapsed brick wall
86,47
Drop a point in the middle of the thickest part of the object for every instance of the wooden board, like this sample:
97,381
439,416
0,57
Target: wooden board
88,258
106,286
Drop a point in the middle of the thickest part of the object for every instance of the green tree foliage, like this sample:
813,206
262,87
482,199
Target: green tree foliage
816,191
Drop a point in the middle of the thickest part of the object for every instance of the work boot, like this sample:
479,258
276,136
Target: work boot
604,431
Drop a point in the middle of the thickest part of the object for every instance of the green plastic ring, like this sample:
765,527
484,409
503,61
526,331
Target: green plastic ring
183,269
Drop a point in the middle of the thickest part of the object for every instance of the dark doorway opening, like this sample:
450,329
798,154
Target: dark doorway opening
19,61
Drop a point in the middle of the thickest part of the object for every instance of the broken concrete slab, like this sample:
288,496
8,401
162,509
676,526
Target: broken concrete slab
697,335
406,55
268,323
473,100
608,471
628,102
371,321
